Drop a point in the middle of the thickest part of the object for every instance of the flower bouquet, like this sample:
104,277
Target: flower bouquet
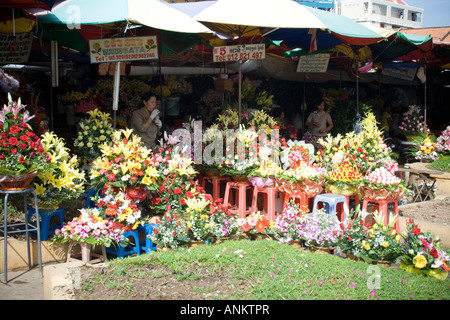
64,180
382,184
170,231
443,142
90,227
343,180
320,229
288,225
306,178
426,150
21,153
381,244
124,163
422,253
121,209
255,223
412,123
94,131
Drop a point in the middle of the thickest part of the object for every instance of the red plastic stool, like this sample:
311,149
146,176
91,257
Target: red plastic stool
216,185
300,198
240,206
383,208
269,200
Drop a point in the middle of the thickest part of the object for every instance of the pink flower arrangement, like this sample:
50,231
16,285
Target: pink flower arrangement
382,176
443,141
85,106
89,227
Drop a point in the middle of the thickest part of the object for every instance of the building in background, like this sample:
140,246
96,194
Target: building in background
386,14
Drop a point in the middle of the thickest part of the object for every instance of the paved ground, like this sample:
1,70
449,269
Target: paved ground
24,284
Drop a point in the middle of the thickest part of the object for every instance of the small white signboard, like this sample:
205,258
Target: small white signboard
314,64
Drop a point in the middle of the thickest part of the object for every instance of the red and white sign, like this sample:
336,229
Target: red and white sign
239,52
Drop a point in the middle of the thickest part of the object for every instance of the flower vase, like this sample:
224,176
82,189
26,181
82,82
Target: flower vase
87,255
18,182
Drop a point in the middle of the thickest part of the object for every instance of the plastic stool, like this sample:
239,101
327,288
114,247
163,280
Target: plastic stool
121,251
240,206
383,208
89,194
216,185
269,200
301,198
47,228
147,245
331,202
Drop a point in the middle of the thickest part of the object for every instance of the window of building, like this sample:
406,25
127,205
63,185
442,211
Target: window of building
379,9
397,13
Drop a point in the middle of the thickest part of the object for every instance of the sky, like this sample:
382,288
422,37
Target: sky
436,12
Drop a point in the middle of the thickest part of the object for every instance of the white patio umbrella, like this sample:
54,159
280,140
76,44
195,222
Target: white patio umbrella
242,18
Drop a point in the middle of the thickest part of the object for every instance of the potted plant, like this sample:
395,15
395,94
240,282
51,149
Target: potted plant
320,230
288,225
353,232
422,253
94,131
224,223
21,153
64,180
199,222
256,225
381,246
125,165
170,232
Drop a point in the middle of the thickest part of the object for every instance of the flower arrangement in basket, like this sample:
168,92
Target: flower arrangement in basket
121,209
21,153
443,142
288,225
422,253
382,184
381,244
426,150
320,229
344,179
124,163
412,123
64,180
94,131
170,231
264,175
255,223
90,227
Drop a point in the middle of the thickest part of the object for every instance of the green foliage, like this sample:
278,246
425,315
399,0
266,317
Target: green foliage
343,115
441,164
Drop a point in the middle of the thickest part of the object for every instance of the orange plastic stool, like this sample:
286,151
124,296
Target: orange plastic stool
216,185
269,200
240,206
383,208
301,198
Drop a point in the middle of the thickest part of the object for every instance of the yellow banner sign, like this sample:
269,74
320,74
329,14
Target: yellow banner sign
123,49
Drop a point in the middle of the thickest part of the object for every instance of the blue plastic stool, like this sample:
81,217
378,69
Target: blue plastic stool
121,251
46,226
90,193
147,245
331,201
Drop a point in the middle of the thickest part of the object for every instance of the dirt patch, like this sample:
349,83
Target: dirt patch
158,282
436,211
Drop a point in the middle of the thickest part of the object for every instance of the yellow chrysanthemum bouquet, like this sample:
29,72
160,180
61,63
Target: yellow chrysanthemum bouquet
64,180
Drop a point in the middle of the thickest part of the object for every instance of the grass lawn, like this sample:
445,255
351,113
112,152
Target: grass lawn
263,270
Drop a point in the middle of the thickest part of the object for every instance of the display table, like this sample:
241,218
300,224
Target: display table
424,181
20,227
